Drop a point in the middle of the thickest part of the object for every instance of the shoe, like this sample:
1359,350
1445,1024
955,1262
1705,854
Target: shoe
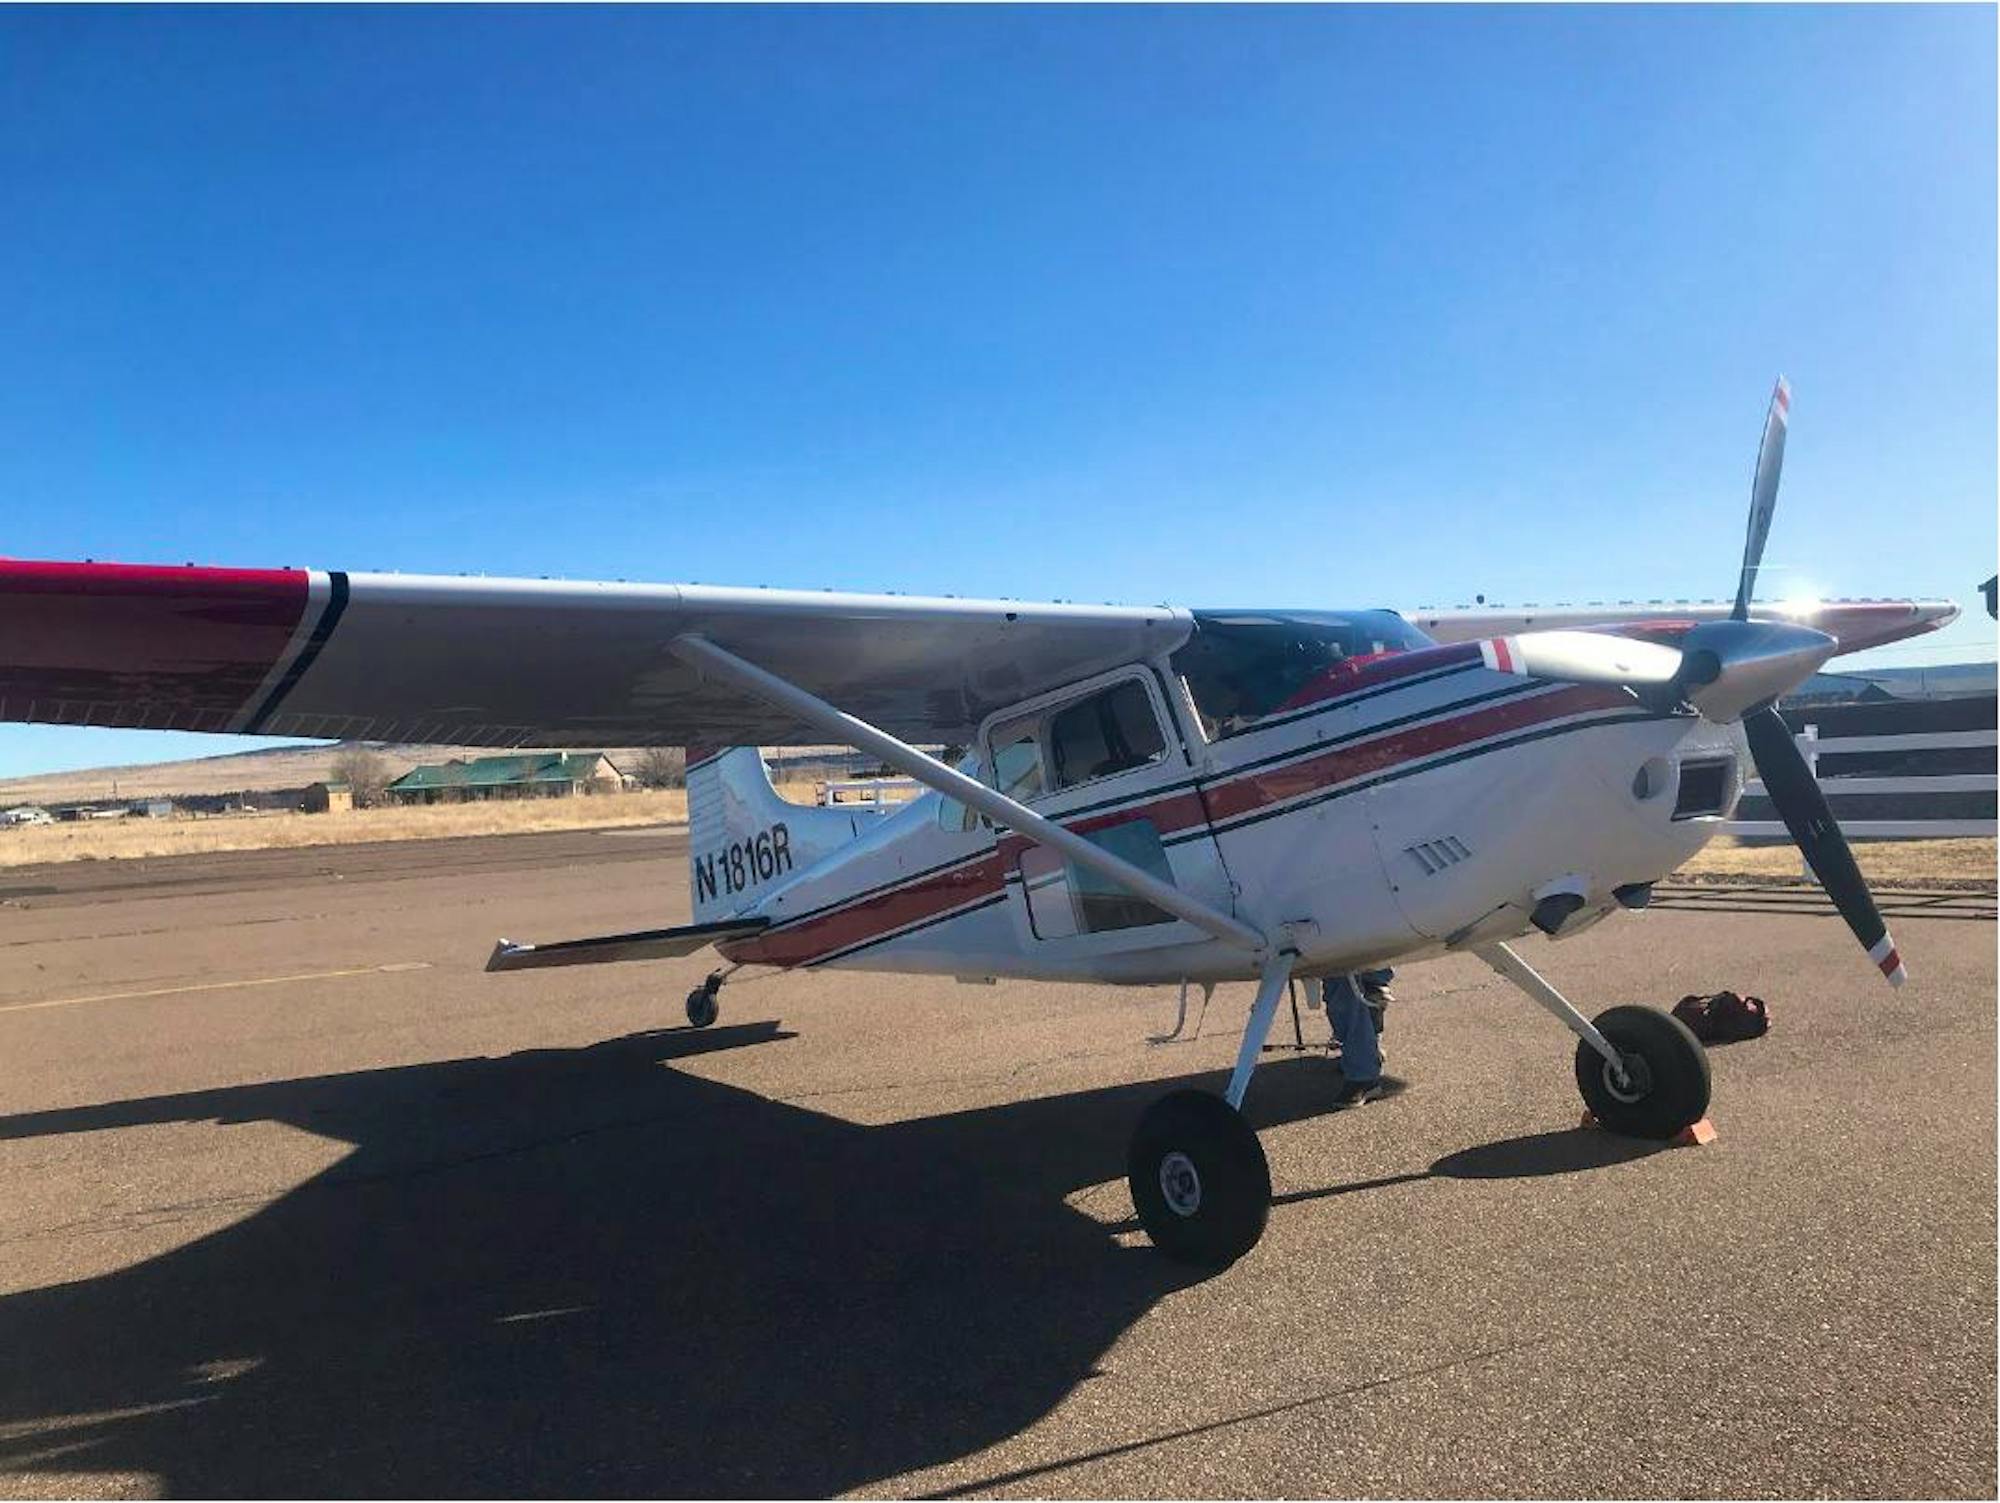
1356,1093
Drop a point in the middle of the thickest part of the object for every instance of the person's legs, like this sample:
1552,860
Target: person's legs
1375,991
1353,1029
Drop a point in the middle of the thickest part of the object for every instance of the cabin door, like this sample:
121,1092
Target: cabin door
1106,759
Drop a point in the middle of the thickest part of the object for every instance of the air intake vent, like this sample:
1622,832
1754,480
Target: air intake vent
1435,855
1704,788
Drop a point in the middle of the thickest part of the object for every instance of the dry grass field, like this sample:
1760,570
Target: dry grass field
127,839
1883,862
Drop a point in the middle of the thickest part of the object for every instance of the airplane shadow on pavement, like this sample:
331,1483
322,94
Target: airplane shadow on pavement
586,1272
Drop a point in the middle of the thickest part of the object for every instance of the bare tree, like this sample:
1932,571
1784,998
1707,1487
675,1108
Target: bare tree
660,767
365,771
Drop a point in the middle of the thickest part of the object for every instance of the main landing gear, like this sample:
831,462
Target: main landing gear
1198,1176
1199,1179
1202,1186
702,1006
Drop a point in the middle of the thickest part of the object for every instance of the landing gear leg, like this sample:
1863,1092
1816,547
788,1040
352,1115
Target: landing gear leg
702,1006
1639,1071
1198,1176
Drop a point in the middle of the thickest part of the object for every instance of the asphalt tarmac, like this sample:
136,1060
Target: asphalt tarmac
294,1199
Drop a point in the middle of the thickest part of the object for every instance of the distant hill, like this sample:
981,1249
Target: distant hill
233,772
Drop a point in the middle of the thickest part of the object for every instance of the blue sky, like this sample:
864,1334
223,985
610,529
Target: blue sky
1311,307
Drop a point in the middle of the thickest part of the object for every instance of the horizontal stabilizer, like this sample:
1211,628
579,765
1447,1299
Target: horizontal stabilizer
647,944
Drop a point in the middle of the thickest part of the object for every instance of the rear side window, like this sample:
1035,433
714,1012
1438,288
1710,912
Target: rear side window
1017,758
953,817
1111,732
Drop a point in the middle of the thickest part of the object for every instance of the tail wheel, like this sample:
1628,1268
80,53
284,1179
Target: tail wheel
702,1007
1199,1179
1666,1082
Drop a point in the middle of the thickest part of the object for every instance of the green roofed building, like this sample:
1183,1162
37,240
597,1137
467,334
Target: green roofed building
516,775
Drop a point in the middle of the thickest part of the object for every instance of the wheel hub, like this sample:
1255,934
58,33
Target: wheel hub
1180,1184
1635,1083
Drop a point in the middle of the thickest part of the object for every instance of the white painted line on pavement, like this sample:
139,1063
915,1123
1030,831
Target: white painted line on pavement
219,986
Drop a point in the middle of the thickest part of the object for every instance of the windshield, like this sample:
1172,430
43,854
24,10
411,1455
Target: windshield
1242,666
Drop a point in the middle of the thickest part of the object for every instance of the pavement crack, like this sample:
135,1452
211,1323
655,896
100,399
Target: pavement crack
1210,1427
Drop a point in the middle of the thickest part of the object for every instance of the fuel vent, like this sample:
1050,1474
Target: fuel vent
1435,855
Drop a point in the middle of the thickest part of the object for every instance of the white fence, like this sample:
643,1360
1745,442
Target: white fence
1887,829
876,793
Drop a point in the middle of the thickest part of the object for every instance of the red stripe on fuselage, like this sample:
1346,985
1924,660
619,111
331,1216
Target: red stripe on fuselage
1351,675
1175,812
880,914
1227,801
135,644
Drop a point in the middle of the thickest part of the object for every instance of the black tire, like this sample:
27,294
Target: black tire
702,1008
1668,1081
1198,1148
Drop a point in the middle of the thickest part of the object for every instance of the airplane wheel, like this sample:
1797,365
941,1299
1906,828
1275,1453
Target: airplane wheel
1667,1070
702,1008
1199,1179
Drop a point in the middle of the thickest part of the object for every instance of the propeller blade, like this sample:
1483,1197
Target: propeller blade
1792,787
1763,495
1582,657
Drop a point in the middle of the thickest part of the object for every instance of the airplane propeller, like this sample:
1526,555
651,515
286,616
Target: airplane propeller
1733,670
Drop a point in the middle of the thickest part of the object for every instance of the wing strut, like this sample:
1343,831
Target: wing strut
837,725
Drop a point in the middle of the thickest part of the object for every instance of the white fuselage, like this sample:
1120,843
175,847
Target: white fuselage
1420,803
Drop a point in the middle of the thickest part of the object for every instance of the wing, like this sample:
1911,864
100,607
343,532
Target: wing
515,662
1855,624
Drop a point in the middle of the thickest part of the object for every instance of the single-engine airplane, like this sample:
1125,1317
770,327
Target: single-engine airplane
1151,795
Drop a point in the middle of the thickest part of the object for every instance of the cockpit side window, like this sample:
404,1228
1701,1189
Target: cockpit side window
1108,733
1113,730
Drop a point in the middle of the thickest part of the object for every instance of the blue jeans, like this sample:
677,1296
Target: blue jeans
1353,1028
